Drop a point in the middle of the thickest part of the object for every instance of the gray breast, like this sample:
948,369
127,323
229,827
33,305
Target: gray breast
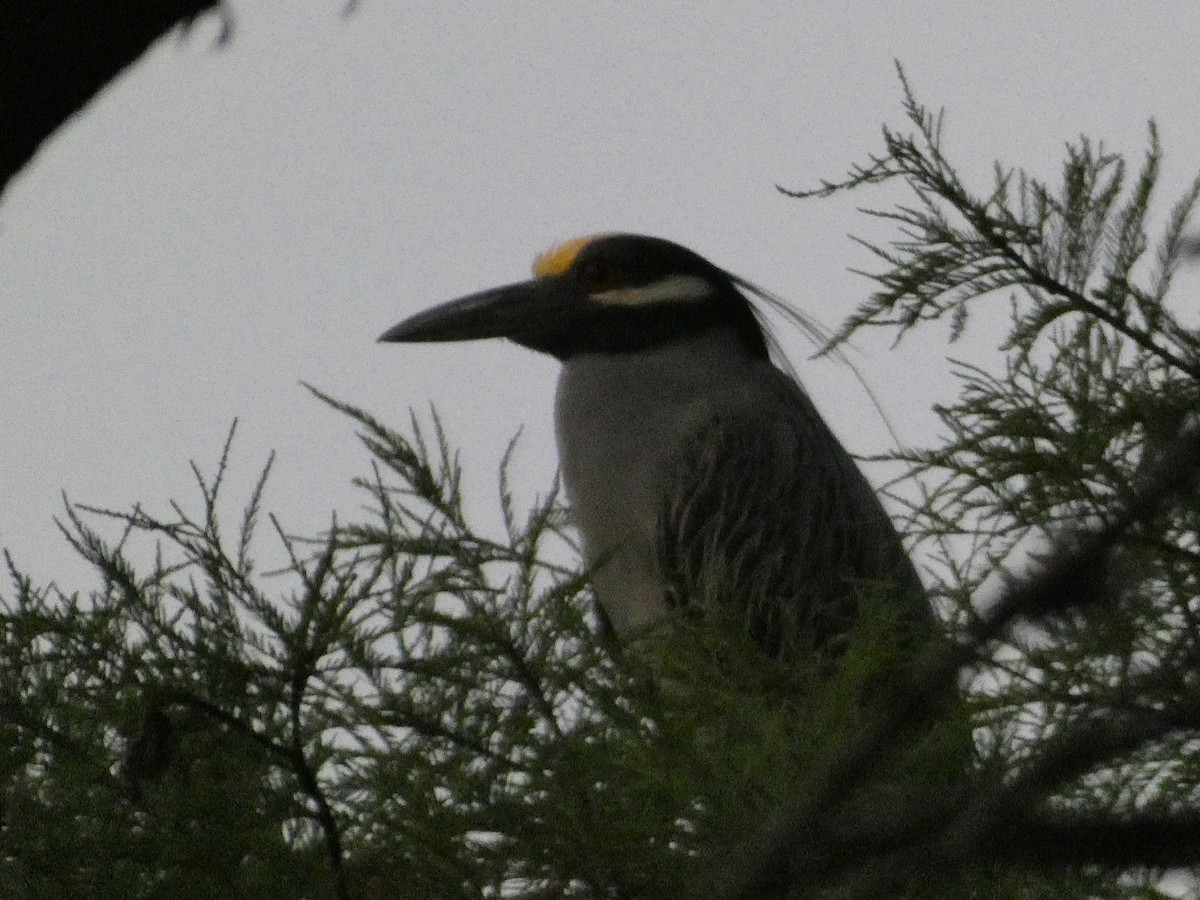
623,420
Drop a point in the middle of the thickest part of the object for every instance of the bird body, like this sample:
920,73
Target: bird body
698,474
622,423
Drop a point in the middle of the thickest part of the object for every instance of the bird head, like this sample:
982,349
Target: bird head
608,293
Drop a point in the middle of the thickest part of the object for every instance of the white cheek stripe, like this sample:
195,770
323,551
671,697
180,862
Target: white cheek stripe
673,289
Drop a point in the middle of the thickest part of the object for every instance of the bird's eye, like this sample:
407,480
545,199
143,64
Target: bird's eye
597,275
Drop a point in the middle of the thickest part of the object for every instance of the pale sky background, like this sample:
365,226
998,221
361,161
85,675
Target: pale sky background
224,223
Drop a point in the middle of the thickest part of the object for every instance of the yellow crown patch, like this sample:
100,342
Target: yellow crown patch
558,259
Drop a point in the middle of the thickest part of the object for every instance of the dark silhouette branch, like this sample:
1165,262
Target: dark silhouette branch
55,55
1152,838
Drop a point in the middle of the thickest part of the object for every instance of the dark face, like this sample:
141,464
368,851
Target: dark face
607,294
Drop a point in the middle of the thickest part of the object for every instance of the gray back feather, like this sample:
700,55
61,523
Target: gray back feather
770,519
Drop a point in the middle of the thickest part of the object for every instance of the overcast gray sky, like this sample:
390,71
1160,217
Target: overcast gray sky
224,223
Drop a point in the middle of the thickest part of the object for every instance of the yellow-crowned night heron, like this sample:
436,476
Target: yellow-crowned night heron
696,471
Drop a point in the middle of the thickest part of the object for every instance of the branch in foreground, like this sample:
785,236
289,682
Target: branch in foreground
786,851
1157,839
